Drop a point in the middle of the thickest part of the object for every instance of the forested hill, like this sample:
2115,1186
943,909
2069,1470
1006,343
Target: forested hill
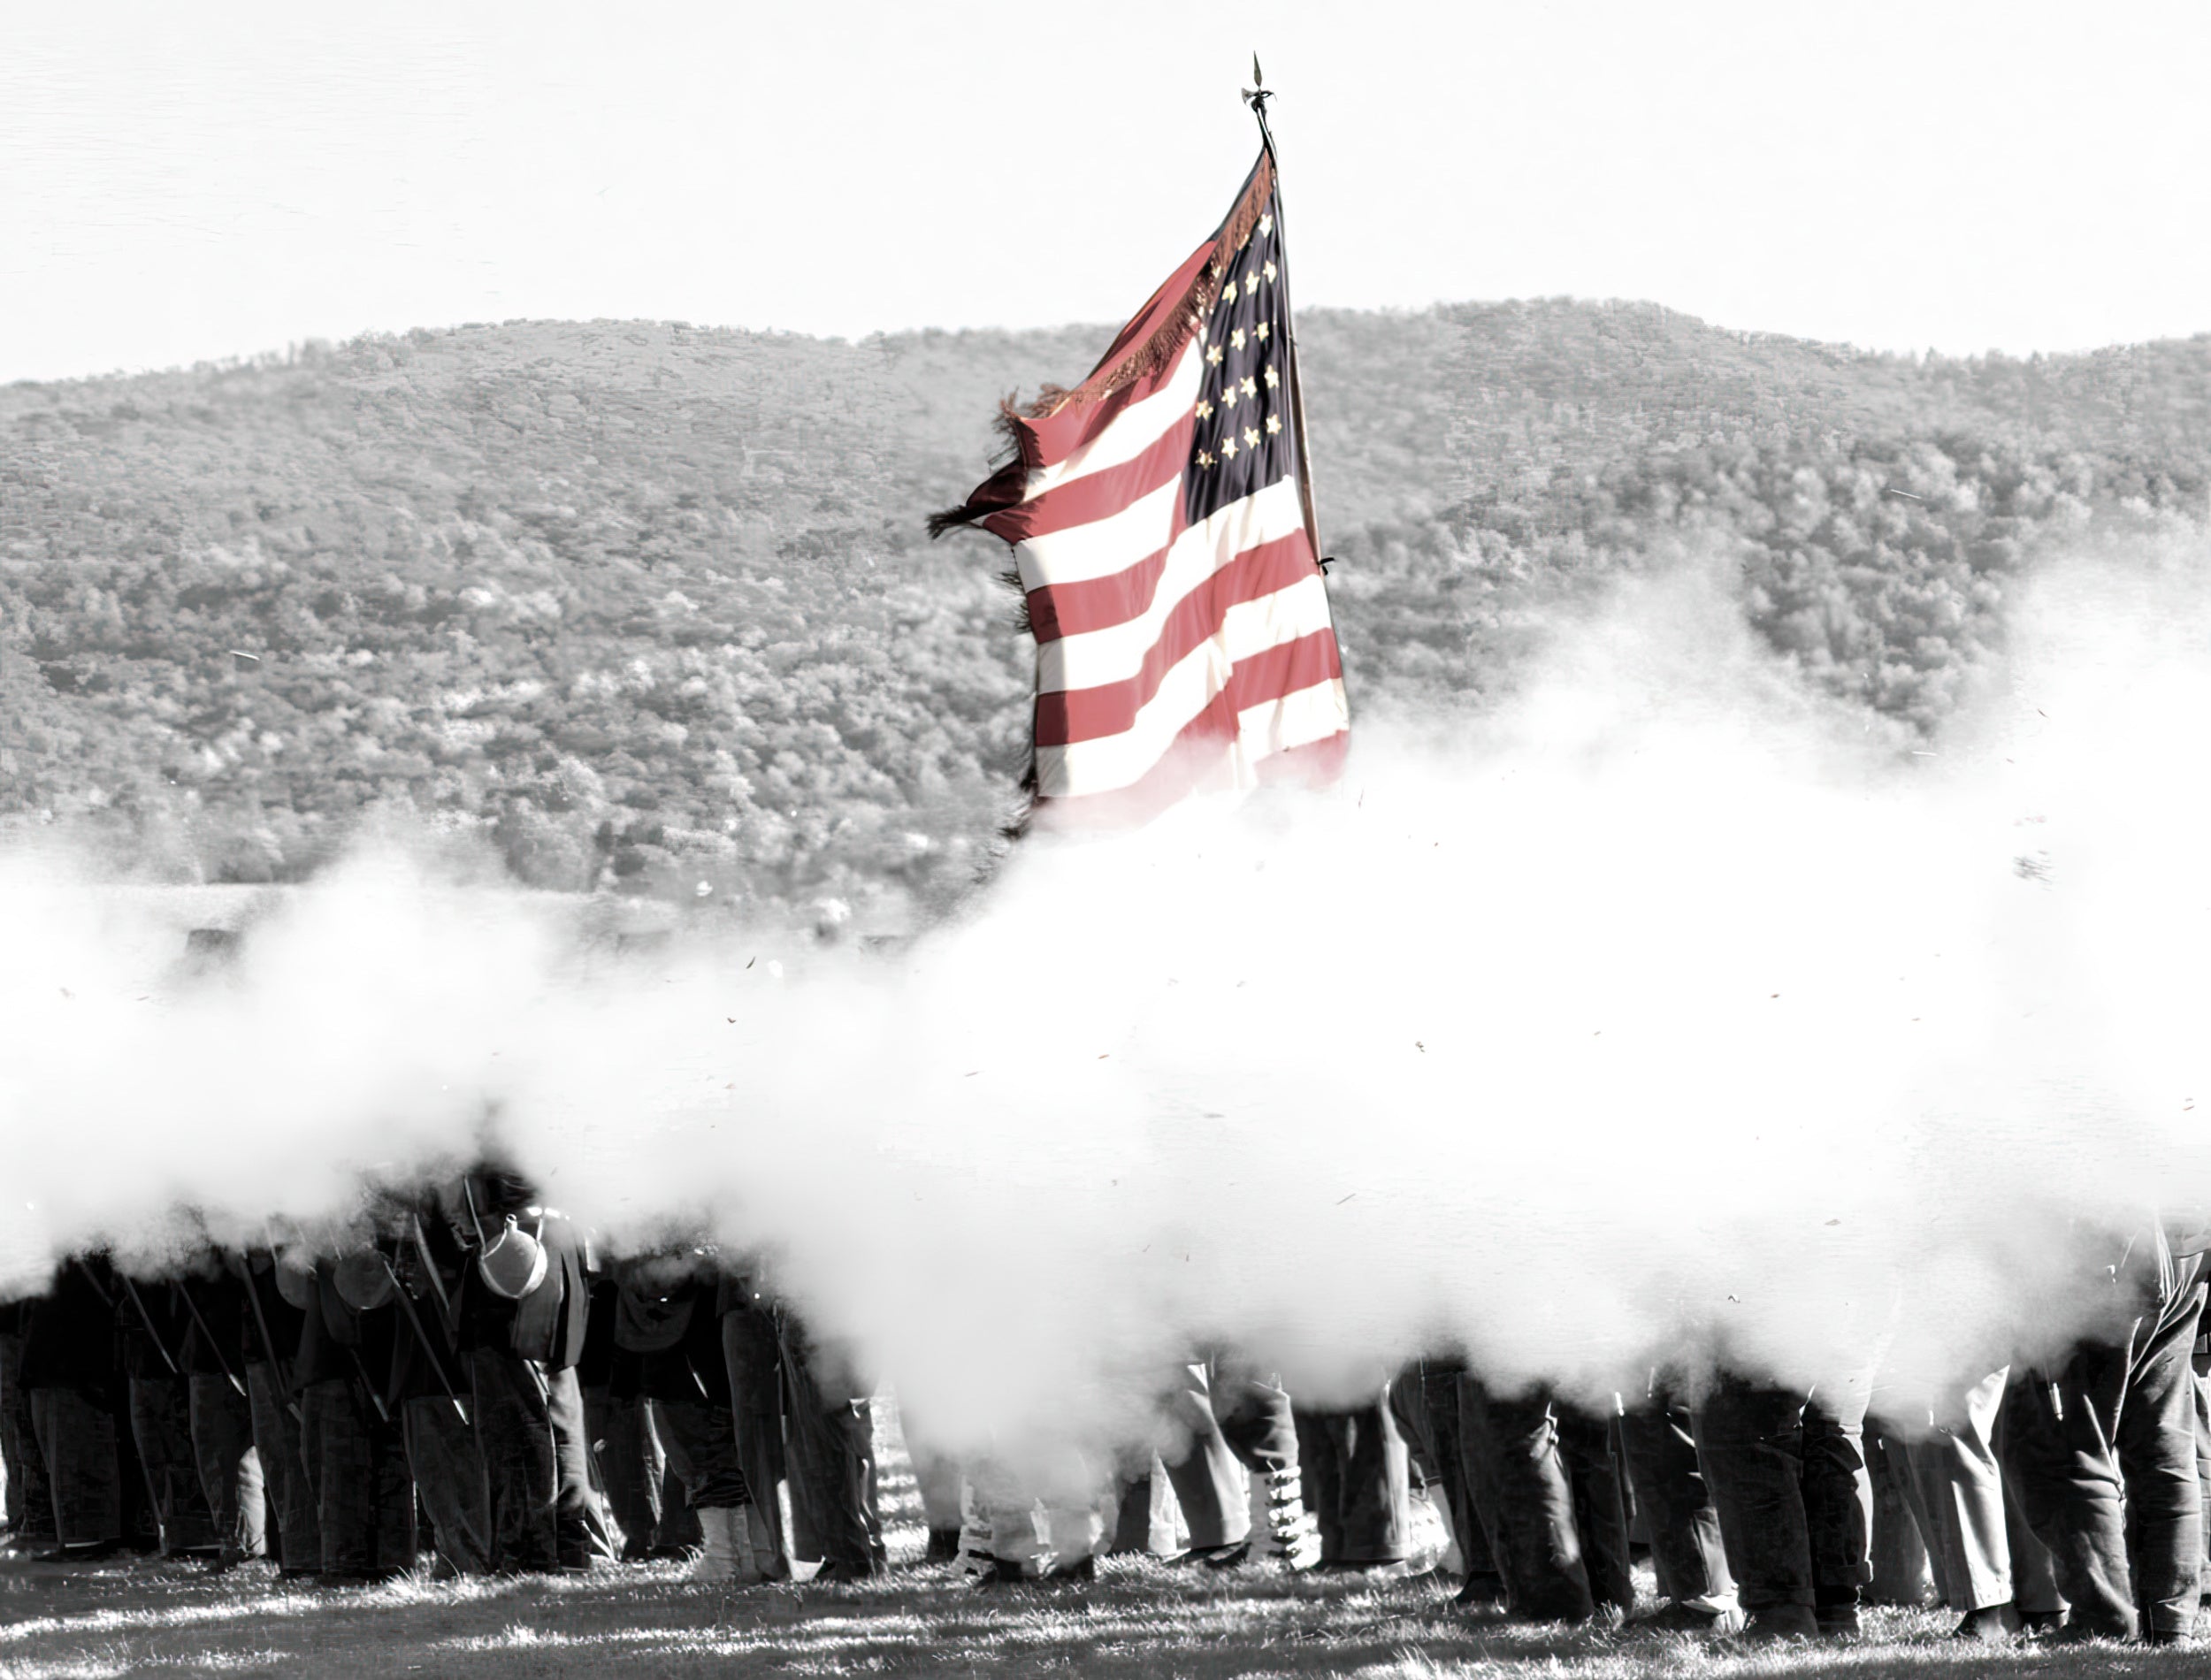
652,605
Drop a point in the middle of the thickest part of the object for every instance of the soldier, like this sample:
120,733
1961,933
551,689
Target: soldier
350,1431
1658,1442
829,1436
523,1310
274,1323
1238,1481
1788,1476
150,1324
430,1383
221,1411
1357,1483
30,1515
752,1356
640,1491
69,1371
1424,1400
666,1323
1543,1484
2102,1450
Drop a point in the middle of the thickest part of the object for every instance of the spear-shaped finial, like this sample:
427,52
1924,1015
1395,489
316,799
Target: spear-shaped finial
1258,93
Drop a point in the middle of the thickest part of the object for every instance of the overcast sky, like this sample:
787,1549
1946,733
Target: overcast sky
199,178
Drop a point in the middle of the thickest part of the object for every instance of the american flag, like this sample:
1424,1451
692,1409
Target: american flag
1162,528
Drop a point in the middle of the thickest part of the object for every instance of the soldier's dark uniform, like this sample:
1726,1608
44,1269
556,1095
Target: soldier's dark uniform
1789,1479
667,1331
830,1440
546,1514
430,1386
149,1322
1356,1482
69,1371
351,1437
1544,1485
271,1329
1658,1441
752,1357
1424,1402
30,1510
221,1414
644,1497
2103,1453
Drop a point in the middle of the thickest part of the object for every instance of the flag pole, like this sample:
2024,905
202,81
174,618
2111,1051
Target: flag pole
1256,96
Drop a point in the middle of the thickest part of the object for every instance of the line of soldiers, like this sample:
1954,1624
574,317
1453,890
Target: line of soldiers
470,1389
466,1382
466,1386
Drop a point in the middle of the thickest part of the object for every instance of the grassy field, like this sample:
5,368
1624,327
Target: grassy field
1142,1618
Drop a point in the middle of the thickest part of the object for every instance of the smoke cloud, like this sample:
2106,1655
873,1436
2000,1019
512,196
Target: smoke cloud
1666,1015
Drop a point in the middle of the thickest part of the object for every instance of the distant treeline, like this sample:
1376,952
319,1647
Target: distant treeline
652,606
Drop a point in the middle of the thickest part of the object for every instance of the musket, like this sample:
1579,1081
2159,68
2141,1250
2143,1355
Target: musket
407,1306
138,1300
268,1342
376,1395
106,1300
214,1347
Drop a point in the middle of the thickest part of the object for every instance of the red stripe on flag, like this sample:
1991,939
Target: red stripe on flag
1198,762
1097,603
1099,495
1284,669
1314,765
1065,717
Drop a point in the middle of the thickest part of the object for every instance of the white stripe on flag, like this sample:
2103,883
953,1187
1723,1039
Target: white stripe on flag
1105,546
1132,431
1296,719
1115,761
1116,654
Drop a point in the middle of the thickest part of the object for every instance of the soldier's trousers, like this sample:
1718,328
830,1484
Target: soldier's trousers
161,1424
229,1469
1206,1475
831,1444
1424,1400
1955,1489
1045,1519
77,1438
1237,1423
632,1466
753,1354
287,1494
2102,1451
356,1464
1789,1479
700,1439
449,1473
1549,1497
1356,1481
544,1512
1904,1572
30,1513
1686,1552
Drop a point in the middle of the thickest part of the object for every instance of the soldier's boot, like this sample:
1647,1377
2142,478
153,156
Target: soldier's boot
977,1562
726,1559
1282,1531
